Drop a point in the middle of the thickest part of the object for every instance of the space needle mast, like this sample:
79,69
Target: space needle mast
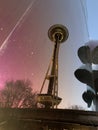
57,34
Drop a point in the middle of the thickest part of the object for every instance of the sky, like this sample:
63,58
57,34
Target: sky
92,8
25,49
18,47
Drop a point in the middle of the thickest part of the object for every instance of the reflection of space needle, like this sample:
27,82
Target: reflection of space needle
58,34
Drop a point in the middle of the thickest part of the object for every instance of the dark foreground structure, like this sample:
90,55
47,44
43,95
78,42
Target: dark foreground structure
47,119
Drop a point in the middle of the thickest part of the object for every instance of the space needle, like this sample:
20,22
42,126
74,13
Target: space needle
57,34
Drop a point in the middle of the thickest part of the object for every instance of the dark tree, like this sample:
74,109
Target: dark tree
18,94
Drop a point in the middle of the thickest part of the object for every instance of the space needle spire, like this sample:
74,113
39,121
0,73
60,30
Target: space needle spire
57,34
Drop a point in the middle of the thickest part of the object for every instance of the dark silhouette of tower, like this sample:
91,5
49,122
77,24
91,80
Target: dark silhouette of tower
57,34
